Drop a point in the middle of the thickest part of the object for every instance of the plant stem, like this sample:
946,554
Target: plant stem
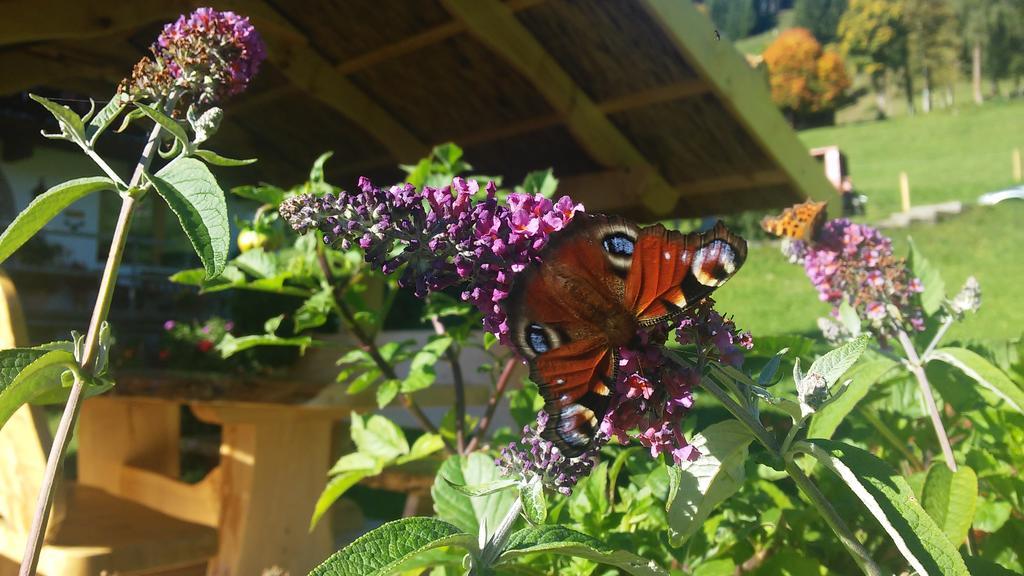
88,361
460,387
891,436
860,555
370,346
492,403
103,165
496,542
938,337
929,399
804,483
744,416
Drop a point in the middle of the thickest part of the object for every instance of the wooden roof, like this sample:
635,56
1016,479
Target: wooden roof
635,103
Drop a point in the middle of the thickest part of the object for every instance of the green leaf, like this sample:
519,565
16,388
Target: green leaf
950,498
315,311
379,437
991,515
44,207
104,118
71,124
356,461
380,551
934,287
194,196
889,498
696,488
387,391
541,182
421,370
231,345
983,372
273,323
525,403
833,364
27,373
424,446
465,512
477,490
363,381
316,173
767,375
263,194
982,567
336,488
535,506
211,157
864,376
562,540
167,123
848,318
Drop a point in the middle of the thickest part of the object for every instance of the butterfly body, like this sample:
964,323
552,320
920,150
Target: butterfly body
800,222
600,281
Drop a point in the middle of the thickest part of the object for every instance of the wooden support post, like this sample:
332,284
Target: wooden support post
905,191
1018,174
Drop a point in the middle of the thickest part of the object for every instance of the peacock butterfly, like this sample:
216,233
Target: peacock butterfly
600,280
800,222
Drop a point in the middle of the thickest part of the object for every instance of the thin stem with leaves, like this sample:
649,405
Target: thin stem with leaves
917,369
492,403
458,382
88,361
369,345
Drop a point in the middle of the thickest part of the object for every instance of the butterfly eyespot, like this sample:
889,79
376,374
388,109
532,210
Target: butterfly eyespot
667,255
537,339
619,245
714,263
560,381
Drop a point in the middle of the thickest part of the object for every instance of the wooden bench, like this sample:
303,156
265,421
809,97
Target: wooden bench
91,531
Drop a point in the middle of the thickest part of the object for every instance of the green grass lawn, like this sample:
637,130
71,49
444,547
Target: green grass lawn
771,296
948,155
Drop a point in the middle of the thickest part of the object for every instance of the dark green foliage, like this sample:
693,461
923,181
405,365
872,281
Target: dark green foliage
735,19
821,17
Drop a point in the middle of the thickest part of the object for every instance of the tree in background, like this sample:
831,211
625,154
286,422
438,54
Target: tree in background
821,17
735,19
873,35
933,45
806,81
993,31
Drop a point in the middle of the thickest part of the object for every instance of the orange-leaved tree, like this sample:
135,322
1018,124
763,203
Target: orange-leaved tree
805,79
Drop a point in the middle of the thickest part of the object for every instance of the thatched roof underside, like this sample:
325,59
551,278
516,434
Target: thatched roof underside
635,104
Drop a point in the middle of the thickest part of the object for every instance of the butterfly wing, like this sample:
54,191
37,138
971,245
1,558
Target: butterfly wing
800,222
671,271
559,317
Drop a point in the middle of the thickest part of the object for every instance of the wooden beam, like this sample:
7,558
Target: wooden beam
21,70
742,91
288,48
618,191
306,68
495,25
734,182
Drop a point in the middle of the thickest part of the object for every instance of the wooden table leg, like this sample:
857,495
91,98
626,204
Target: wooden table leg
114,432
273,472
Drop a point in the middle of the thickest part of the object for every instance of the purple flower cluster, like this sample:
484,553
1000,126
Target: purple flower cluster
442,236
854,263
653,394
534,457
209,55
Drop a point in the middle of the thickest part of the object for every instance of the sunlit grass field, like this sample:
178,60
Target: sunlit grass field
771,296
947,155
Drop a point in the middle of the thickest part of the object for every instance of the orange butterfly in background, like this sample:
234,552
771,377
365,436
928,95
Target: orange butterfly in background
800,222
600,280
